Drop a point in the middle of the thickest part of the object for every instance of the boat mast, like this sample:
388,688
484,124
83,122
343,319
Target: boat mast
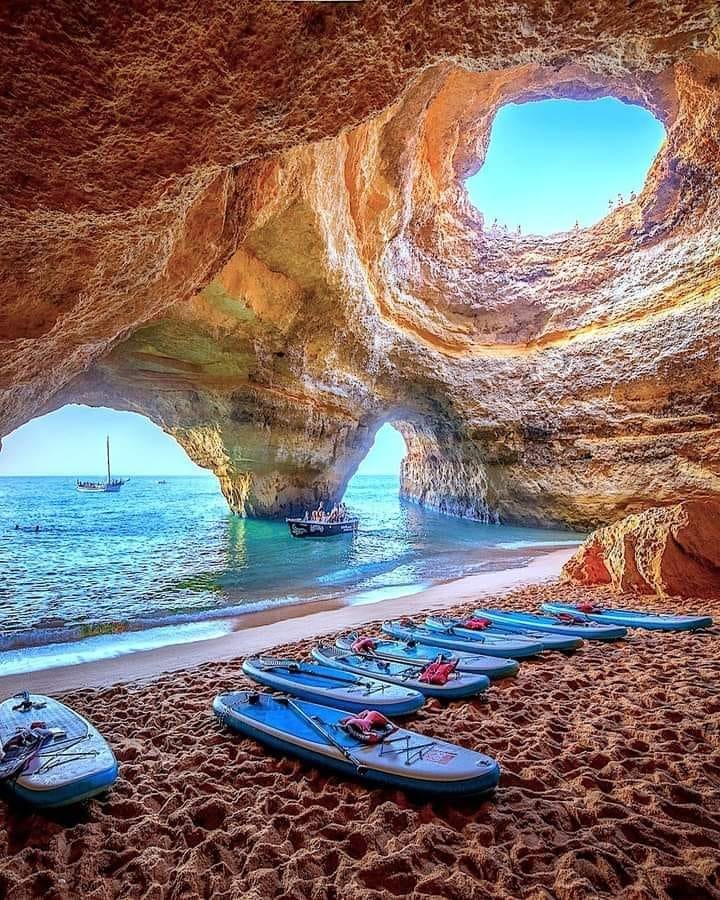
108,456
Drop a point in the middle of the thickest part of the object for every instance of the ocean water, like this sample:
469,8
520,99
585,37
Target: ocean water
104,568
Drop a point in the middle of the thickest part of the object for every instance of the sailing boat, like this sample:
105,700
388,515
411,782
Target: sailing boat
111,486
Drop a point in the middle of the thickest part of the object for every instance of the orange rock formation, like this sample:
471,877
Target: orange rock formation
253,229
670,551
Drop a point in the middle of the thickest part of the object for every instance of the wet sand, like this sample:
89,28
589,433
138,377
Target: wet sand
610,787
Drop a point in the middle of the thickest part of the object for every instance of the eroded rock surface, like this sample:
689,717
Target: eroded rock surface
254,231
670,551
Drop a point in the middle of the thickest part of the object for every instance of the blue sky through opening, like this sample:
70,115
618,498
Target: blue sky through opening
386,453
71,441
551,163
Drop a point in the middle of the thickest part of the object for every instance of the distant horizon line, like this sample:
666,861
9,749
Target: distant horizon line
165,475
103,476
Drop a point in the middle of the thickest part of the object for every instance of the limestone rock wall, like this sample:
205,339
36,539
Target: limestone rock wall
253,229
669,551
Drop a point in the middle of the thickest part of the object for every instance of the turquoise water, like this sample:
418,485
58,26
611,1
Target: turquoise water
158,555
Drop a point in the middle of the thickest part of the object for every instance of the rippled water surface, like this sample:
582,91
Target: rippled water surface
160,553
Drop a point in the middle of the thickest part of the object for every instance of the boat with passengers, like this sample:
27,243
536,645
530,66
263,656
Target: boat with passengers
111,486
319,523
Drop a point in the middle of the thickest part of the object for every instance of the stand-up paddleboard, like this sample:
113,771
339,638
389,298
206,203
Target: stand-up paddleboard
51,755
410,651
507,647
469,628
632,618
450,684
332,686
366,746
562,623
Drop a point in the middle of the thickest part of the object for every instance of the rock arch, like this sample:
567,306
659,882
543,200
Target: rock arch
265,275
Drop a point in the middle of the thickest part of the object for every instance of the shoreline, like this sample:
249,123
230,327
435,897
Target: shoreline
609,783
261,631
49,632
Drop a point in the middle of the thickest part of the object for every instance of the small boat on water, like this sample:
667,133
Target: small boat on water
111,486
302,528
364,745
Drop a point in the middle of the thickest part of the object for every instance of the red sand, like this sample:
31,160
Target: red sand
610,787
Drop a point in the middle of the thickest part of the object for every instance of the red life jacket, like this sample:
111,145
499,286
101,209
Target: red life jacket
437,672
363,645
475,623
369,726
587,606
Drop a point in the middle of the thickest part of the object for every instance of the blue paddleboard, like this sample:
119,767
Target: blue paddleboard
634,618
508,646
410,651
72,762
459,684
401,759
583,628
331,686
549,641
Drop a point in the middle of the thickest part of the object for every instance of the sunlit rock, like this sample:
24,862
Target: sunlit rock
672,550
264,244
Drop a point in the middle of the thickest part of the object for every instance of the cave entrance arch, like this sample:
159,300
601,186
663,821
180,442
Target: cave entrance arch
70,442
552,163
385,456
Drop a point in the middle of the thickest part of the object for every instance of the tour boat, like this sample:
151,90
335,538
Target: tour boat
301,528
111,486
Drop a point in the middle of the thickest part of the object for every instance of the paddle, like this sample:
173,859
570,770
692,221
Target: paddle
389,657
376,657
314,722
343,678
581,619
450,628
294,668
385,657
409,672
